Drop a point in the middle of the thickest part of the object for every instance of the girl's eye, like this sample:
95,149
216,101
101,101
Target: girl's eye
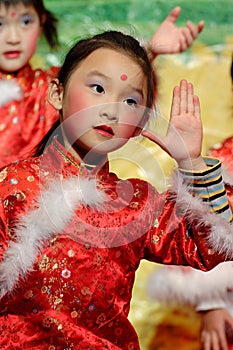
26,20
98,88
131,102
1,23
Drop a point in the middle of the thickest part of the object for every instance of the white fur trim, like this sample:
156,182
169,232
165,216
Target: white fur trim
9,91
54,211
220,237
185,285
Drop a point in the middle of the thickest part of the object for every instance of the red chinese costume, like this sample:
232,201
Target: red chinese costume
25,114
224,151
72,240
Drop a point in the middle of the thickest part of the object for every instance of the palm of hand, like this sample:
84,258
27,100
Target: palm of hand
184,137
183,140
167,39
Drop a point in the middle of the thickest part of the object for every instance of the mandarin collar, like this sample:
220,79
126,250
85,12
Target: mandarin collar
62,152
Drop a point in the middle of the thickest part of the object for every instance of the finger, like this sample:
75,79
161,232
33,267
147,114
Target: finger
156,138
187,36
190,99
183,96
183,44
193,30
215,341
174,14
205,341
175,107
197,108
223,341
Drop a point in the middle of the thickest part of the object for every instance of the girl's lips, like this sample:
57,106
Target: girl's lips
12,54
104,130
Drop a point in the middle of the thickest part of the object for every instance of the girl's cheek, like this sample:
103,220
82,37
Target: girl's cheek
132,118
32,41
77,101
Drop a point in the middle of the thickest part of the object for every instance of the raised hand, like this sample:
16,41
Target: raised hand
183,140
169,38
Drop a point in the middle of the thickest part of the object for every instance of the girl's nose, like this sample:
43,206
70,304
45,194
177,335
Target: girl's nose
12,35
109,111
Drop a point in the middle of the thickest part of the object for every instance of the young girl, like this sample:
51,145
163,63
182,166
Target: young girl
73,233
25,115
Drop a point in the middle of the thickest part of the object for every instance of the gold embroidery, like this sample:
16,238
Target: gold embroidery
3,175
155,239
72,161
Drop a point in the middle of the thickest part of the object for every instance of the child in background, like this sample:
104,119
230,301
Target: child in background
72,233
25,115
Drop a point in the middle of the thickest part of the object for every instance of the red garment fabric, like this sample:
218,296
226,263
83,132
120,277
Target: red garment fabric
77,296
24,123
224,151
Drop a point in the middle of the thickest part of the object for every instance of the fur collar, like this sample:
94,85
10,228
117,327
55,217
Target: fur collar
42,223
9,91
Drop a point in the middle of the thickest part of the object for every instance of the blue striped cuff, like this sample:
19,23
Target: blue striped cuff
208,185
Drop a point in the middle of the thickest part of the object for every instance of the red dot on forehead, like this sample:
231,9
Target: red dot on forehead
124,77
12,14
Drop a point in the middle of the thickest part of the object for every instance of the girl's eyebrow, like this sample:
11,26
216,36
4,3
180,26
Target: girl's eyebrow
97,73
26,13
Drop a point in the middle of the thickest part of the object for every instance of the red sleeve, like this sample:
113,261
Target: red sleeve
177,240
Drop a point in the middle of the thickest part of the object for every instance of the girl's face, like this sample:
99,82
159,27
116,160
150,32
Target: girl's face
103,102
19,33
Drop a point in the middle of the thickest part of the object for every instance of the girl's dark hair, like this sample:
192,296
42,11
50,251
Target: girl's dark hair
117,41
48,20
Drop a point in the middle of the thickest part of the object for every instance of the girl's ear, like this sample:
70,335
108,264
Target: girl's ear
55,94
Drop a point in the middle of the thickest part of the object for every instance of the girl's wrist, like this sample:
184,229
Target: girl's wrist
193,164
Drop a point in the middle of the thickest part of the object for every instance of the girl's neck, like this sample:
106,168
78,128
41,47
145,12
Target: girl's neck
9,75
90,161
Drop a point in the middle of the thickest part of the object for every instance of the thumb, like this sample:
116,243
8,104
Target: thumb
156,138
174,14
